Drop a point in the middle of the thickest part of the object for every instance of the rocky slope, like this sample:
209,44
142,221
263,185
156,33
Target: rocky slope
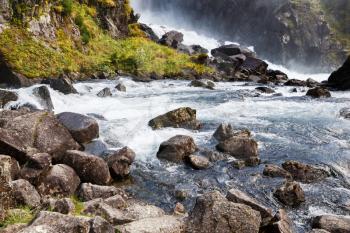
291,32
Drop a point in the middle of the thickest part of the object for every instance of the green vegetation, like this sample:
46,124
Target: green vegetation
93,51
78,204
21,215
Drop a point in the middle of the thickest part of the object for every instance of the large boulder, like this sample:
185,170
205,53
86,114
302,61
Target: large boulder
36,165
6,97
172,39
227,51
280,223
14,169
88,192
254,66
89,168
83,128
290,194
39,130
178,118
62,84
319,92
214,213
177,148
332,223
340,78
60,180
304,172
43,94
120,161
238,196
25,194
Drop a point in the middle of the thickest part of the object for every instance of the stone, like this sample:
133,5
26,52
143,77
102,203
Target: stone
318,231
105,92
198,162
64,206
319,92
121,87
345,113
172,39
332,223
164,224
120,161
60,180
239,164
39,161
223,132
305,173
266,90
254,66
11,78
6,97
272,170
116,201
88,192
239,147
89,168
83,128
312,83
178,118
295,82
179,209
100,225
149,32
203,84
96,147
340,78
290,194
177,148
238,196
214,213
14,168
138,210
62,84
43,94
281,223
25,194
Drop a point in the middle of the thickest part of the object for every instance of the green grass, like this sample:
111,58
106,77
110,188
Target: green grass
24,215
94,51
78,204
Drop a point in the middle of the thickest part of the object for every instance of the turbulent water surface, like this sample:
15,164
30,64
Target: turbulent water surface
287,126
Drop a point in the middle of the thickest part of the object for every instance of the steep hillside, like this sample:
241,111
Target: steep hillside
41,38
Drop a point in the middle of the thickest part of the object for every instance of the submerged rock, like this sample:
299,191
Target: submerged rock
6,97
60,180
319,92
290,194
121,87
177,148
214,213
105,92
304,172
44,96
340,78
89,168
178,118
120,161
205,84
266,90
25,194
332,223
83,128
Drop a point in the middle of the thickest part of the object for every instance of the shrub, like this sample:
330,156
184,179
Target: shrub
67,7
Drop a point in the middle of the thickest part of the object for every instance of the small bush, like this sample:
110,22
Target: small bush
20,215
67,7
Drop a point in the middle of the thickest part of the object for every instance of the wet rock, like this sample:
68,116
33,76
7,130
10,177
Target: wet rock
238,196
223,132
6,97
318,231
62,84
50,222
168,224
332,223
178,118
25,194
64,206
177,148
96,147
214,213
254,66
290,194
121,87
149,32
198,50
83,128
105,92
318,92
272,170
281,223
304,172
120,161
38,130
312,83
295,82
227,51
60,180
340,78
89,168
198,162
203,84
266,90
89,191
345,113
44,96
172,39
239,147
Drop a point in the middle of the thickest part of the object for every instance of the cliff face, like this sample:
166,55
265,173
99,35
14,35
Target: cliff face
284,31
